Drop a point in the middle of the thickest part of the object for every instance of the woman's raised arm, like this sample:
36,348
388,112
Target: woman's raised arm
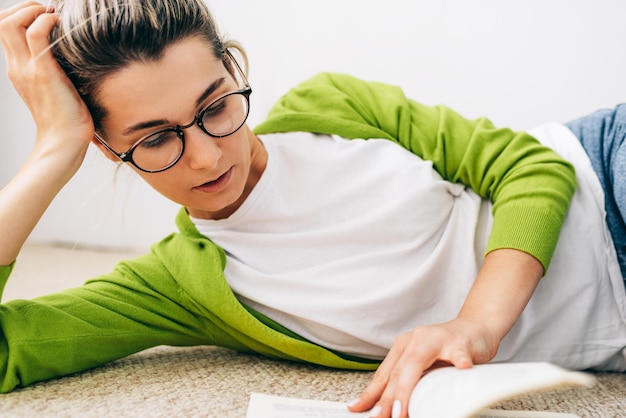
64,125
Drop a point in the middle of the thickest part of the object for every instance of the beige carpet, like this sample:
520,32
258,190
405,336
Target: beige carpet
207,381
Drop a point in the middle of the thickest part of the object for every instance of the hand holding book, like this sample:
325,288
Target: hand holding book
446,392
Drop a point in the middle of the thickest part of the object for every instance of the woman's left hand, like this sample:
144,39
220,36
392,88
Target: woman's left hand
460,342
503,287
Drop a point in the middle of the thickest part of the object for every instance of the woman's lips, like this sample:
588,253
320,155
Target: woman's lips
217,184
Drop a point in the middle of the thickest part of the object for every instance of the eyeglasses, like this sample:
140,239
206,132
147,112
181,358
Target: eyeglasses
161,150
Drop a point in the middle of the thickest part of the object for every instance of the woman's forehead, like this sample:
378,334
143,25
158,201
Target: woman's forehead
187,73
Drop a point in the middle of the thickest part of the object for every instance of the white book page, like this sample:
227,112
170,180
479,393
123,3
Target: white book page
445,393
270,406
454,393
497,413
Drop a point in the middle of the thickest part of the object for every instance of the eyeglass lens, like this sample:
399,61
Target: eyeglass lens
221,118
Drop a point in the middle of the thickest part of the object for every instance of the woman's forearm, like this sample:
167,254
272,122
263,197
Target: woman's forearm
502,290
27,196
64,125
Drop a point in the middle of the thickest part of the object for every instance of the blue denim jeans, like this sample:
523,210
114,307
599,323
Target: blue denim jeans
602,135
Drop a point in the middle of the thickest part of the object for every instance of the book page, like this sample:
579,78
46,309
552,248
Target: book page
497,413
271,406
455,393
445,393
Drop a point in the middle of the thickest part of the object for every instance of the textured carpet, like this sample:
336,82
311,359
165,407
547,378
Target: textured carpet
214,382
208,381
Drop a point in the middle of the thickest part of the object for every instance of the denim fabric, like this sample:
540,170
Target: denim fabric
602,135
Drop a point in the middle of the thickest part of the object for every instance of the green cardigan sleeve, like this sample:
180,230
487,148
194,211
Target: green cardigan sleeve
530,186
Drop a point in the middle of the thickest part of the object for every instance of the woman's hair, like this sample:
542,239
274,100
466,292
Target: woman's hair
96,38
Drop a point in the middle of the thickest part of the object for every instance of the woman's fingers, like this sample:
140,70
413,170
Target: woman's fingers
63,121
38,32
24,35
417,356
370,396
390,390
24,31
411,355
11,10
13,33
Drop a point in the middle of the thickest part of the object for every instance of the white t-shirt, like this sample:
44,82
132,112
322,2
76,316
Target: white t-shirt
350,242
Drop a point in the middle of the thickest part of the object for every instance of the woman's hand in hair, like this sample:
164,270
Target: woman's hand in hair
64,125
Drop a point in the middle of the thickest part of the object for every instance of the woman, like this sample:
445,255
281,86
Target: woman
317,247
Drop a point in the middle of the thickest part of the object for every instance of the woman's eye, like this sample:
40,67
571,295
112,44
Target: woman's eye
159,139
215,108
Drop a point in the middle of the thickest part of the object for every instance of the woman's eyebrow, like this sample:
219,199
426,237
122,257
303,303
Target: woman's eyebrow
159,122
209,90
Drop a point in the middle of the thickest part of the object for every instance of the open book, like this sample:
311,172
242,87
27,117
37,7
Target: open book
446,393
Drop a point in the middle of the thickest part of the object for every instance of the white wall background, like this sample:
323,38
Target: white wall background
519,62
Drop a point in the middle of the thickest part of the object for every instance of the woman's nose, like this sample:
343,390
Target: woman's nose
201,150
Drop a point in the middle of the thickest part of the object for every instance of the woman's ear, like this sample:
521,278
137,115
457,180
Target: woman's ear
103,149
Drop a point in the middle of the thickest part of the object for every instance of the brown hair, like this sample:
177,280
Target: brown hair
96,38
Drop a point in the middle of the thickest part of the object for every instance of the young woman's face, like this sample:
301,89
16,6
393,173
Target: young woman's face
214,175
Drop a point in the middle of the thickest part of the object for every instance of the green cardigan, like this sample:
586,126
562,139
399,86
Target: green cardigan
177,293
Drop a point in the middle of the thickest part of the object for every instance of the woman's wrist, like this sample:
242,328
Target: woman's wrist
59,158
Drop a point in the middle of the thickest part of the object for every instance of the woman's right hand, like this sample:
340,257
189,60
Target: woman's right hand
64,125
